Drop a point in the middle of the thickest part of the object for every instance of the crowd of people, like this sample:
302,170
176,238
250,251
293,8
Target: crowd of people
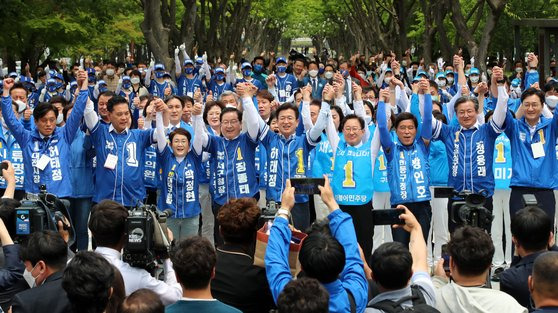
216,143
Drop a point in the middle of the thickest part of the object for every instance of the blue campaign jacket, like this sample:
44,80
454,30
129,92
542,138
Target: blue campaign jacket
187,87
56,175
351,278
82,153
285,87
11,150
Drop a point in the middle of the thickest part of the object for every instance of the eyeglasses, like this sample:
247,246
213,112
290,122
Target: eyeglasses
231,122
351,129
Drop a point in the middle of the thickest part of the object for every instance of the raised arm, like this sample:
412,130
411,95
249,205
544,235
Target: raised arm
74,120
305,109
15,126
358,105
426,131
159,125
201,138
501,109
385,136
254,122
177,65
316,131
147,80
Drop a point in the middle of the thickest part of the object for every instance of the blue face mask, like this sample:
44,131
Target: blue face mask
103,88
59,85
321,70
73,89
51,88
189,70
247,72
91,78
345,73
220,77
258,68
159,74
126,85
30,87
281,69
198,66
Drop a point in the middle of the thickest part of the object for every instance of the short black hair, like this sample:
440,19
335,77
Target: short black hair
471,250
108,223
392,265
339,111
322,257
7,214
258,58
116,100
229,110
533,91
351,117
551,85
208,106
303,295
58,99
531,227
287,106
440,117
180,131
47,246
19,85
169,98
545,274
403,116
108,94
193,260
464,99
87,280
65,111
42,109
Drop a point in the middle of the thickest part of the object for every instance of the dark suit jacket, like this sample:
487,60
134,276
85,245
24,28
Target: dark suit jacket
316,93
513,281
48,297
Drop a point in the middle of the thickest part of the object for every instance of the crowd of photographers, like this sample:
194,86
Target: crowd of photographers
169,171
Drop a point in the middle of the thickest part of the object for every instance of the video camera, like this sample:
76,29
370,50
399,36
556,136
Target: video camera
146,237
42,214
468,209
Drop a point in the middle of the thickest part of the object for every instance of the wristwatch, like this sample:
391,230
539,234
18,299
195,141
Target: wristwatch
284,212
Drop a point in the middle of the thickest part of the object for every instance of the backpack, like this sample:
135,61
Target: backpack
419,304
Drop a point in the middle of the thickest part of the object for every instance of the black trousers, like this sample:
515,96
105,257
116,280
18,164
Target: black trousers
364,225
453,226
545,200
423,213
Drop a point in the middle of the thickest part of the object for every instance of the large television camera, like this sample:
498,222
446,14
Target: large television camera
146,237
42,213
468,209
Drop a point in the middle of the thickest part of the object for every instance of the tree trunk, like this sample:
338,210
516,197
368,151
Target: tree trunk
156,34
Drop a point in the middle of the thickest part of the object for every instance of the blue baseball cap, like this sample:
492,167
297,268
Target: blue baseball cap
450,72
423,73
159,67
219,70
73,83
126,78
515,82
389,70
51,81
188,61
281,60
90,71
102,82
12,75
440,75
199,60
474,71
246,65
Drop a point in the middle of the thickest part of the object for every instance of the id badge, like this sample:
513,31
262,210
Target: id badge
538,150
111,161
43,161
282,93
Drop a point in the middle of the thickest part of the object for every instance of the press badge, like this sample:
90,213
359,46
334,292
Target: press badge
538,150
43,161
111,161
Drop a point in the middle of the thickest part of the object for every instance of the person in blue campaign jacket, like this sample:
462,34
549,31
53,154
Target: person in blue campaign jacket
287,154
533,143
188,83
247,76
409,170
217,85
158,87
339,275
233,170
180,166
282,85
46,147
120,153
83,186
471,169
353,166
502,218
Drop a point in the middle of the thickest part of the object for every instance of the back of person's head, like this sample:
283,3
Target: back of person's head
303,295
544,278
142,301
118,293
108,223
238,220
87,279
531,228
471,250
193,260
322,257
47,246
7,214
391,265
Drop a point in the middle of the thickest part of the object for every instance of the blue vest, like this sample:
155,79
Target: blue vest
233,169
124,183
285,87
82,153
187,87
150,168
158,90
286,158
502,162
261,166
56,173
323,159
179,190
438,156
11,151
409,173
528,171
217,89
352,170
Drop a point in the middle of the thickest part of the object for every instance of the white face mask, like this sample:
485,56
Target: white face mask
474,79
450,80
135,80
551,101
442,82
110,72
29,277
59,118
387,80
313,73
328,75
21,106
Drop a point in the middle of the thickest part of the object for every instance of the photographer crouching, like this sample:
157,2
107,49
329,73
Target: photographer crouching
108,225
